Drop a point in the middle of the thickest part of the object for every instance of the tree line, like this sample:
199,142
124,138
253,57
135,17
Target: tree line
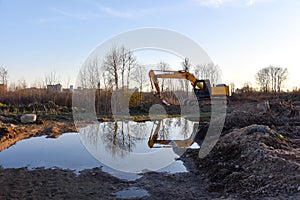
119,69
271,79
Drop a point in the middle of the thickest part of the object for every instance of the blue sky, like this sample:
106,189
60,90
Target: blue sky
241,36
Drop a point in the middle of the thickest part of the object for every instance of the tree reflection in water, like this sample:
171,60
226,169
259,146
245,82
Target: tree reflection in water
127,142
117,138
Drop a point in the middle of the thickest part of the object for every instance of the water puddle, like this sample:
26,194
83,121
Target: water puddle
121,148
132,192
138,147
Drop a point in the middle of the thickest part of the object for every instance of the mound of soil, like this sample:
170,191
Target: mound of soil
251,162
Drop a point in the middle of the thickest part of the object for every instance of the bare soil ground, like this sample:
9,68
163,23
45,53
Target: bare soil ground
12,130
257,157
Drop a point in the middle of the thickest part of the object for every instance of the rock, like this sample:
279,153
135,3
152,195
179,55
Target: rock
28,118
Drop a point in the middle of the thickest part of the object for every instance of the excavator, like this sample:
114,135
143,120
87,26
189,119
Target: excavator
201,88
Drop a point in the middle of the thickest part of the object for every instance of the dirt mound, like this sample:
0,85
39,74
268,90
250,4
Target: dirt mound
240,116
240,119
254,161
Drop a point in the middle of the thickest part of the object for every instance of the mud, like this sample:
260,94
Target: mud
12,133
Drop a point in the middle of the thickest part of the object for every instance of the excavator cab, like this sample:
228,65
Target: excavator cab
202,89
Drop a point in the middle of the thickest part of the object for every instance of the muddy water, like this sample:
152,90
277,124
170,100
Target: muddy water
122,148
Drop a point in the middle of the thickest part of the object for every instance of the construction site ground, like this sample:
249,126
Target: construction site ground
256,157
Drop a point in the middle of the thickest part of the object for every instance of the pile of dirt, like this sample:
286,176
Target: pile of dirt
240,119
251,162
246,114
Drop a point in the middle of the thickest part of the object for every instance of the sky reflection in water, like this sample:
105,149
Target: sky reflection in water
120,147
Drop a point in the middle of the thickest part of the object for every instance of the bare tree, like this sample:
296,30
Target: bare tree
127,62
90,74
130,65
107,81
186,65
263,79
83,78
111,64
51,78
209,71
94,73
272,73
123,60
3,76
163,66
282,76
140,76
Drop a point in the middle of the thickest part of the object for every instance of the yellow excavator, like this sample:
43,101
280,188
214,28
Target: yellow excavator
201,88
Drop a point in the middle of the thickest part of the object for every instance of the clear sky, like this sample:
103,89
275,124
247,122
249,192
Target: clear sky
241,36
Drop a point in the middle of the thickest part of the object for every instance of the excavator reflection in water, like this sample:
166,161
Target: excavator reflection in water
178,145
